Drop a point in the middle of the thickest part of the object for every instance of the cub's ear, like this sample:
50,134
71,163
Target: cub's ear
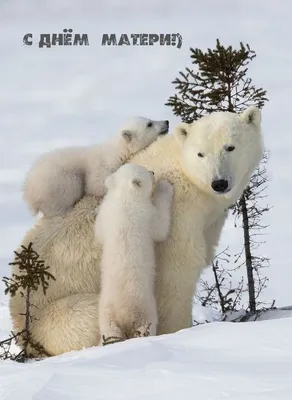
110,181
136,182
127,136
181,132
252,115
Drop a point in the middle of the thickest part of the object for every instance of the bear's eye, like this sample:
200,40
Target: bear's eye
149,124
200,155
230,148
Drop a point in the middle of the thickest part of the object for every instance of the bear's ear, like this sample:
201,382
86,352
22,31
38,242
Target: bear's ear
127,136
136,182
110,181
181,131
252,115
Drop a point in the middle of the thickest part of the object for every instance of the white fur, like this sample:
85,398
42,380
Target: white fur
66,318
61,177
211,137
128,223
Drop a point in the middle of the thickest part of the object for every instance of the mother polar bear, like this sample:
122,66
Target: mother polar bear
209,162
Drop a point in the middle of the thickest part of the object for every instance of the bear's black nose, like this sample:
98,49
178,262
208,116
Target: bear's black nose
165,128
220,186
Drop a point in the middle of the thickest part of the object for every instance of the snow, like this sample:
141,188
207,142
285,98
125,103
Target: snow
80,95
213,361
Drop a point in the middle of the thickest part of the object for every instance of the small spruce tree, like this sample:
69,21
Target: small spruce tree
32,274
220,83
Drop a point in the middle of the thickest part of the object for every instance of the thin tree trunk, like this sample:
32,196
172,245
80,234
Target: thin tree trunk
248,256
247,249
27,321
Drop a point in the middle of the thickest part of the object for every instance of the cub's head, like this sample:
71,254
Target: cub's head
139,132
221,150
133,179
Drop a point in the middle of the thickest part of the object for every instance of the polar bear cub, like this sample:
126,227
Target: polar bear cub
61,177
134,214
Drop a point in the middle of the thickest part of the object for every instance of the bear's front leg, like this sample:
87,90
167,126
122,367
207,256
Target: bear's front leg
180,261
212,236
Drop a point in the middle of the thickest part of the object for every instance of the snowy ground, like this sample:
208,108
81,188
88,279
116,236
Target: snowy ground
80,95
248,361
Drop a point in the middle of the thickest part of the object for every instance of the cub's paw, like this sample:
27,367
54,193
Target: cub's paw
143,331
110,340
164,187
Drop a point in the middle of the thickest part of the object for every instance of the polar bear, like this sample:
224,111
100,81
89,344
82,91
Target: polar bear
132,216
209,163
61,177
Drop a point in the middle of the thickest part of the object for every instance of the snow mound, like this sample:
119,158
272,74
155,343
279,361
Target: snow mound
212,361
